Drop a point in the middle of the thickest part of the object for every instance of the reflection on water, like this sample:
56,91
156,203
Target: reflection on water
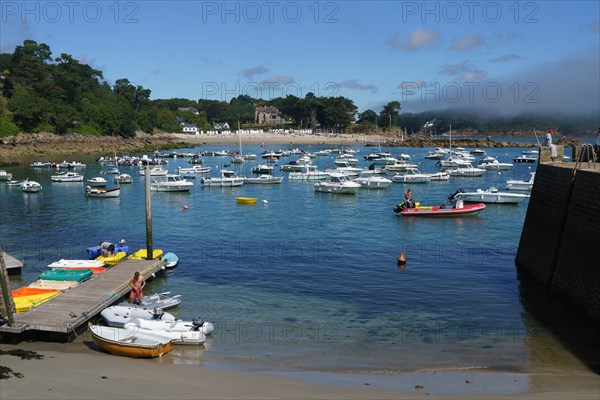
311,280
555,335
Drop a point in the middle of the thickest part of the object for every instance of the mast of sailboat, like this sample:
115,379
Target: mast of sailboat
450,136
239,135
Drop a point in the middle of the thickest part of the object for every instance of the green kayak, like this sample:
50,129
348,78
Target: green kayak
66,275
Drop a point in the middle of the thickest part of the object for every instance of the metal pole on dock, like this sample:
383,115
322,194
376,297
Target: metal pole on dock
148,214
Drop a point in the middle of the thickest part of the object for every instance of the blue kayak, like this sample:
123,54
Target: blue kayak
171,260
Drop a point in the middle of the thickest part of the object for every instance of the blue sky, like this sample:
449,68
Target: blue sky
504,56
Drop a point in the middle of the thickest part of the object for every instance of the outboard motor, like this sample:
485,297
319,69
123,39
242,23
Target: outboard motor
451,197
205,327
157,313
398,208
197,322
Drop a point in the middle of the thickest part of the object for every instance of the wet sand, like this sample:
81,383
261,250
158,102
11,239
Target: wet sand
80,371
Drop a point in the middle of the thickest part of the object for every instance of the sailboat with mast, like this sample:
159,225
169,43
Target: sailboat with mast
239,158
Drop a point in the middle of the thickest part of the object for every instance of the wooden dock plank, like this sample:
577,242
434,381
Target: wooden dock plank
76,306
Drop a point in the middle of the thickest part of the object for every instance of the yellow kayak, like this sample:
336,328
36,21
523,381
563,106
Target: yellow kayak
112,260
26,303
245,200
142,254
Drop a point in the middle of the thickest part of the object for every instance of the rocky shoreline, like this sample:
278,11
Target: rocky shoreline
48,144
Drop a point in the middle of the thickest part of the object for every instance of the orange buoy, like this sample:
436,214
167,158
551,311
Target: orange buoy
185,207
401,261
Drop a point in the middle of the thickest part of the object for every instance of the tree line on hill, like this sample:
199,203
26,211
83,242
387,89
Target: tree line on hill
40,93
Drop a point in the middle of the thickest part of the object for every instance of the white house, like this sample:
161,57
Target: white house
192,129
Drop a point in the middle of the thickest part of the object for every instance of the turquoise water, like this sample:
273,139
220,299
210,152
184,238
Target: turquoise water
305,279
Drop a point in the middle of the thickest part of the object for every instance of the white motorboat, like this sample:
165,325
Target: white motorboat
348,170
477,152
454,162
16,183
520,185
67,177
373,181
337,183
97,181
495,165
155,171
344,160
525,158
170,183
195,169
40,164
102,193
31,187
111,170
123,178
121,314
466,171
308,172
399,166
228,178
412,175
296,165
440,176
491,195
263,169
264,179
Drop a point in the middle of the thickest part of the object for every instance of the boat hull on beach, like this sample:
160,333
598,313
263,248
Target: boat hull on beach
130,343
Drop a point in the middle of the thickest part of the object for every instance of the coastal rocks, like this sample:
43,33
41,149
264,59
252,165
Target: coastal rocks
44,143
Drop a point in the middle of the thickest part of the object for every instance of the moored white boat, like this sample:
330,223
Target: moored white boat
31,187
162,301
491,195
123,178
67,177
264,179
189,337
514,184
103,193
309,172
337,183
228,178
412,175
170,183
373,181
495,165
155,171
97,181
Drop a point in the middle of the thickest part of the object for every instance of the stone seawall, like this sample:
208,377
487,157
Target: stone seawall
560,241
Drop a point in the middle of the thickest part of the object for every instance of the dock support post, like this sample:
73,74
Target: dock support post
6,300
149,249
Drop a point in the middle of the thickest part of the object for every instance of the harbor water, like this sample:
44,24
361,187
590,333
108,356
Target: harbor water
310,280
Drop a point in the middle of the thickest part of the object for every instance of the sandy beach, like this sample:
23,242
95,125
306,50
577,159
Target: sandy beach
80,371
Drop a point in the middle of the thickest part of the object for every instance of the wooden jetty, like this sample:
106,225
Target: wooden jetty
64,315
13,266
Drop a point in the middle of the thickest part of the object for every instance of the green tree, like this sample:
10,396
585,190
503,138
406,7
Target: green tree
391,111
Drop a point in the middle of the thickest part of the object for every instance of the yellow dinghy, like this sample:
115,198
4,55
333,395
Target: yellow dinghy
112,260
142,254
26,303
245,200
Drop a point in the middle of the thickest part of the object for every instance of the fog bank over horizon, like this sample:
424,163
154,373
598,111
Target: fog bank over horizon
564,87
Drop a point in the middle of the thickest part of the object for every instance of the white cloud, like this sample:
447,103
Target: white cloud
418,39
251,72
507,57
354,84
592,27
467,42
280,79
